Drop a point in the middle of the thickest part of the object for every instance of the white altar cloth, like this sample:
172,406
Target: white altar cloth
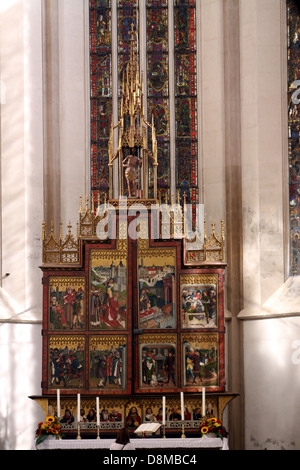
147,443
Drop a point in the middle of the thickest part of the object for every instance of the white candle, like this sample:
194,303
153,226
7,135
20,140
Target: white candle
182,405
58,403
203,402
78,407
164,411
97,406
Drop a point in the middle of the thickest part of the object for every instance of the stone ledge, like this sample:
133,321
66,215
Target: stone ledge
285,302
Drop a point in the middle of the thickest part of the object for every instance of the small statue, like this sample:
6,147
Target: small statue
131,164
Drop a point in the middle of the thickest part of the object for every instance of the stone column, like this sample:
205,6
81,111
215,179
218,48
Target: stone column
234,226
51,113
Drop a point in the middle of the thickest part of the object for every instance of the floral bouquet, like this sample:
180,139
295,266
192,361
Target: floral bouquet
51,427
212,426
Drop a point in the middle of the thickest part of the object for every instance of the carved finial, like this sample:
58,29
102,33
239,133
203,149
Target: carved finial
44,231
222,230
70,227
80,205
60,231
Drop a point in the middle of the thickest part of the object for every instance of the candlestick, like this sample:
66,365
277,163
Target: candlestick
97,407
98,417
78,407
58,403
203,402
182,414
182,405
78,416
78,430
164,417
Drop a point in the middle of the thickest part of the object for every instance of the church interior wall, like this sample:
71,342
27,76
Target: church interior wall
270,363
272,383
20,346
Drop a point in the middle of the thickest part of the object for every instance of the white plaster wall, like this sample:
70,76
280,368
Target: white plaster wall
271,378
21,153
272,383
21,72
21,216
20,377
262,86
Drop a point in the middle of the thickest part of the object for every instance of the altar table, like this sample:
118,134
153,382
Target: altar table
147,443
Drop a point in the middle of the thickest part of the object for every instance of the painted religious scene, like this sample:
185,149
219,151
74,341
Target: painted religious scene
108,363
199,306
66,358
158,363
108,292
157,296
67,303
200,358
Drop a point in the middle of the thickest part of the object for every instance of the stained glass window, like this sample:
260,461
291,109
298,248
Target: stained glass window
186,98
127,16
158,86
293,16
101,94
170,81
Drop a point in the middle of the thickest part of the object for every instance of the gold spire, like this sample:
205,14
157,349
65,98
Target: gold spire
133,128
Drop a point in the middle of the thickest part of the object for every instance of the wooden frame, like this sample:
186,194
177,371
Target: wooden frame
67,303
157,361
202,365
136,337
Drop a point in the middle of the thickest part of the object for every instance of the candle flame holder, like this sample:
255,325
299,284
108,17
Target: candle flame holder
183,436
78,434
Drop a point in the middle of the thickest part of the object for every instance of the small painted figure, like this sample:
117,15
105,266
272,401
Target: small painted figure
131,164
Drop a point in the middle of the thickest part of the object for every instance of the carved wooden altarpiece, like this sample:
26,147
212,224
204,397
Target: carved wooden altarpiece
131,320
135,312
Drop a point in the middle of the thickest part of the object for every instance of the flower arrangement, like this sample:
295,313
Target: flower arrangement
214,426
51,427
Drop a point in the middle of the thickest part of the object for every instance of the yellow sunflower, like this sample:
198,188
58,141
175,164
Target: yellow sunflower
204,430
50,419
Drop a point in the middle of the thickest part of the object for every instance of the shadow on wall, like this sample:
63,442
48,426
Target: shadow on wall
20,377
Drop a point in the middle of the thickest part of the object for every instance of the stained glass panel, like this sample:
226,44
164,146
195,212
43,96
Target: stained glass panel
158,85
186,98
293,14
158,76
157,27
127,19
101,93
